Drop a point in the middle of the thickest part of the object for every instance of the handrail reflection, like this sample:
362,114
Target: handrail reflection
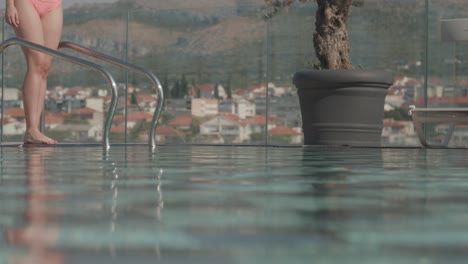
135,68
81,62
116,173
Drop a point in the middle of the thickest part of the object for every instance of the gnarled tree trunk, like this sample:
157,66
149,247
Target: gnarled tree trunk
331,40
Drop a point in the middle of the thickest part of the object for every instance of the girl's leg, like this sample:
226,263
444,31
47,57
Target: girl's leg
43,31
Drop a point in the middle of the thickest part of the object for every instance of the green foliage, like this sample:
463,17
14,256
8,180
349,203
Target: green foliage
165,86
58,135
397,114
176,91
194,127
75,120
257,137
216,91
116,137
183,85
175,19
88,13
280,139
228,87
140,127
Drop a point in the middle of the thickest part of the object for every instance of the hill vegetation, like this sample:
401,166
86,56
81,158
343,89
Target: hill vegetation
220,41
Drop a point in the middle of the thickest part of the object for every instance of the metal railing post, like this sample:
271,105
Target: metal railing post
156,84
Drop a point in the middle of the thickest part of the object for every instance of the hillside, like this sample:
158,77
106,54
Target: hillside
216,40
176,4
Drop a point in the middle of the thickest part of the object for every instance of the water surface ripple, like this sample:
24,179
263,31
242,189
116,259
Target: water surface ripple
233,204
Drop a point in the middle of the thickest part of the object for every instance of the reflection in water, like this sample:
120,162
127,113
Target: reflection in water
40,232
41,237
120,176
233,205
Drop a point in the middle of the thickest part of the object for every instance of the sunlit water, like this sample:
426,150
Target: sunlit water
212,204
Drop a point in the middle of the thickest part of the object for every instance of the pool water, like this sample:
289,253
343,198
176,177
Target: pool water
233,204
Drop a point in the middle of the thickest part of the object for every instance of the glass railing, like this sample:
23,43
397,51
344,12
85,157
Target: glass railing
447,84
215,64
212,64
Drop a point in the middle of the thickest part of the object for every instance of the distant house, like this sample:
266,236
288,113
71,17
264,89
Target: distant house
95,103
52,120
90,115
13,127
226,126
258,124
283,134
244,108
204,107
147,102
11,97
397,132
133,118
251,92
241,107
165,134
83,113
11,94
177,106
182,123
226,106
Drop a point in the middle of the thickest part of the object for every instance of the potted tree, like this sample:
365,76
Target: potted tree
340,105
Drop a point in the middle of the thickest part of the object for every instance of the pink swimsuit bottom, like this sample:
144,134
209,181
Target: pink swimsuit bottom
43,7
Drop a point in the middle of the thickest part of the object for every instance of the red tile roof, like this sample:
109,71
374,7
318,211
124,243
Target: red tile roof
442,100
228,116
260,120
74,90
117,129
388,122
14,112
206,87
283,131
134,116
166,131
146,97
7,120
185,120
51,118
83,111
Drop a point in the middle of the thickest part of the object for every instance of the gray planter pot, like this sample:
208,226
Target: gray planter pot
342,107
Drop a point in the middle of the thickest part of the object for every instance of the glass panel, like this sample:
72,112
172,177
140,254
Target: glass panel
389,35
77,98
448,67
383,35
211,62
2,92
13,71
193,51
290,49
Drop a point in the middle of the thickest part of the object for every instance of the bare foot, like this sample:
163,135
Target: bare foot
38,138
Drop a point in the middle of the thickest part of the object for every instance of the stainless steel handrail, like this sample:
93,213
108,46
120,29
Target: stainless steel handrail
81,62
129,66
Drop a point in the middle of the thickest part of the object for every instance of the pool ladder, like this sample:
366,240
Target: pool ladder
105,73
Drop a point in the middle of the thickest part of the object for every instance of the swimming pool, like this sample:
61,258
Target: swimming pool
233,204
